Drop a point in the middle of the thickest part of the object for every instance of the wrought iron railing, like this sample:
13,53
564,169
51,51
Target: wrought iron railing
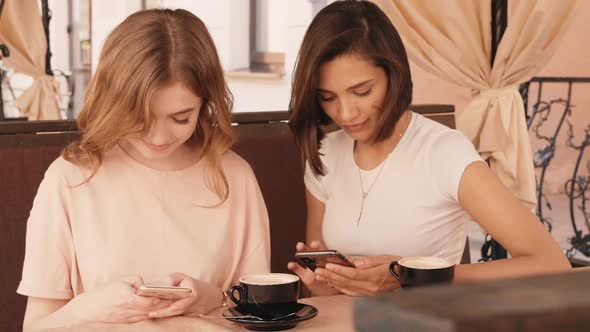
576,187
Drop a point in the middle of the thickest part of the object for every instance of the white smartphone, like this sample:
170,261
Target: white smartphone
163,292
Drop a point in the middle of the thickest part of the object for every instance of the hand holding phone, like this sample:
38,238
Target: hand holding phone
163,292
313,259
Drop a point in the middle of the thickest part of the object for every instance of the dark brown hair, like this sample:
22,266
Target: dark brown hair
346,27
147,51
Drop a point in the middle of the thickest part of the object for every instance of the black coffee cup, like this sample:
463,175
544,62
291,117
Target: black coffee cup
268,296
422,270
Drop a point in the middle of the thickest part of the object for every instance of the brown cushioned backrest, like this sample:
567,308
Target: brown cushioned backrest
23,161
272,154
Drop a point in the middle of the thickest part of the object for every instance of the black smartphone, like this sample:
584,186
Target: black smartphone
313,259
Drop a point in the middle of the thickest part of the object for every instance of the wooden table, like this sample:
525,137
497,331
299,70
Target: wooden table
335,313
547,303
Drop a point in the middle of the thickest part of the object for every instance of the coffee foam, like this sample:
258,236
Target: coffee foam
269,279
426,263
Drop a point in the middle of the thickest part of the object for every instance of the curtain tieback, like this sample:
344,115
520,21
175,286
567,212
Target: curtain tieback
50,81
495,92
496,119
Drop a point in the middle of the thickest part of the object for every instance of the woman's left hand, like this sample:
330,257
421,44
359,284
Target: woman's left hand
194,303
369,277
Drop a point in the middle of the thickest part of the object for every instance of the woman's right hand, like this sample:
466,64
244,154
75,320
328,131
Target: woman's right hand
308,277
116,302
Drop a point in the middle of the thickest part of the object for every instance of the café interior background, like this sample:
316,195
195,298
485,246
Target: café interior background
258,41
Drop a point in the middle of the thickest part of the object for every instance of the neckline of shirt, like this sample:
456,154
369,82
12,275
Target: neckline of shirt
119,150
399,146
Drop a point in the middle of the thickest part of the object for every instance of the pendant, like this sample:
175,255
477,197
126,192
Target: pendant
358,220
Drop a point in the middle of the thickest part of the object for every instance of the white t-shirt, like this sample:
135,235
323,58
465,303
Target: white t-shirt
412,208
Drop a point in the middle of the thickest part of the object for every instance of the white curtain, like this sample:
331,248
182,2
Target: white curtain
21,30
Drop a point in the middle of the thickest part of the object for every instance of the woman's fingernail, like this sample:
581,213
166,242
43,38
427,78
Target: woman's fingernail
153,314
173,308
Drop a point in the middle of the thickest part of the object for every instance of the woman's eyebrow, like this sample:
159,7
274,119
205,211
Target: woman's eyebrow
357,85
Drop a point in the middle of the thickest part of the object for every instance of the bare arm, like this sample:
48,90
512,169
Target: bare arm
115,302
532,248
315,217
47,313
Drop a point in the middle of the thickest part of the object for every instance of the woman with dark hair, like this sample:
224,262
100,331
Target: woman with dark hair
392,183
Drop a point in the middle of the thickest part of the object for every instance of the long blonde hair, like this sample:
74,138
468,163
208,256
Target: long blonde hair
147,51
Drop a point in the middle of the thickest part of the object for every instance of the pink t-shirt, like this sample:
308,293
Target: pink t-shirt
130,219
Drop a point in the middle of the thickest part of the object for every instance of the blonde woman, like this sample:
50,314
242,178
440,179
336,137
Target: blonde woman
151,192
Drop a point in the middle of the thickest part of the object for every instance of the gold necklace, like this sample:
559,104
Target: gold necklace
366,193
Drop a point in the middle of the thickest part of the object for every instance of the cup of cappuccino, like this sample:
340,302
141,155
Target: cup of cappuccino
422,270
268,295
